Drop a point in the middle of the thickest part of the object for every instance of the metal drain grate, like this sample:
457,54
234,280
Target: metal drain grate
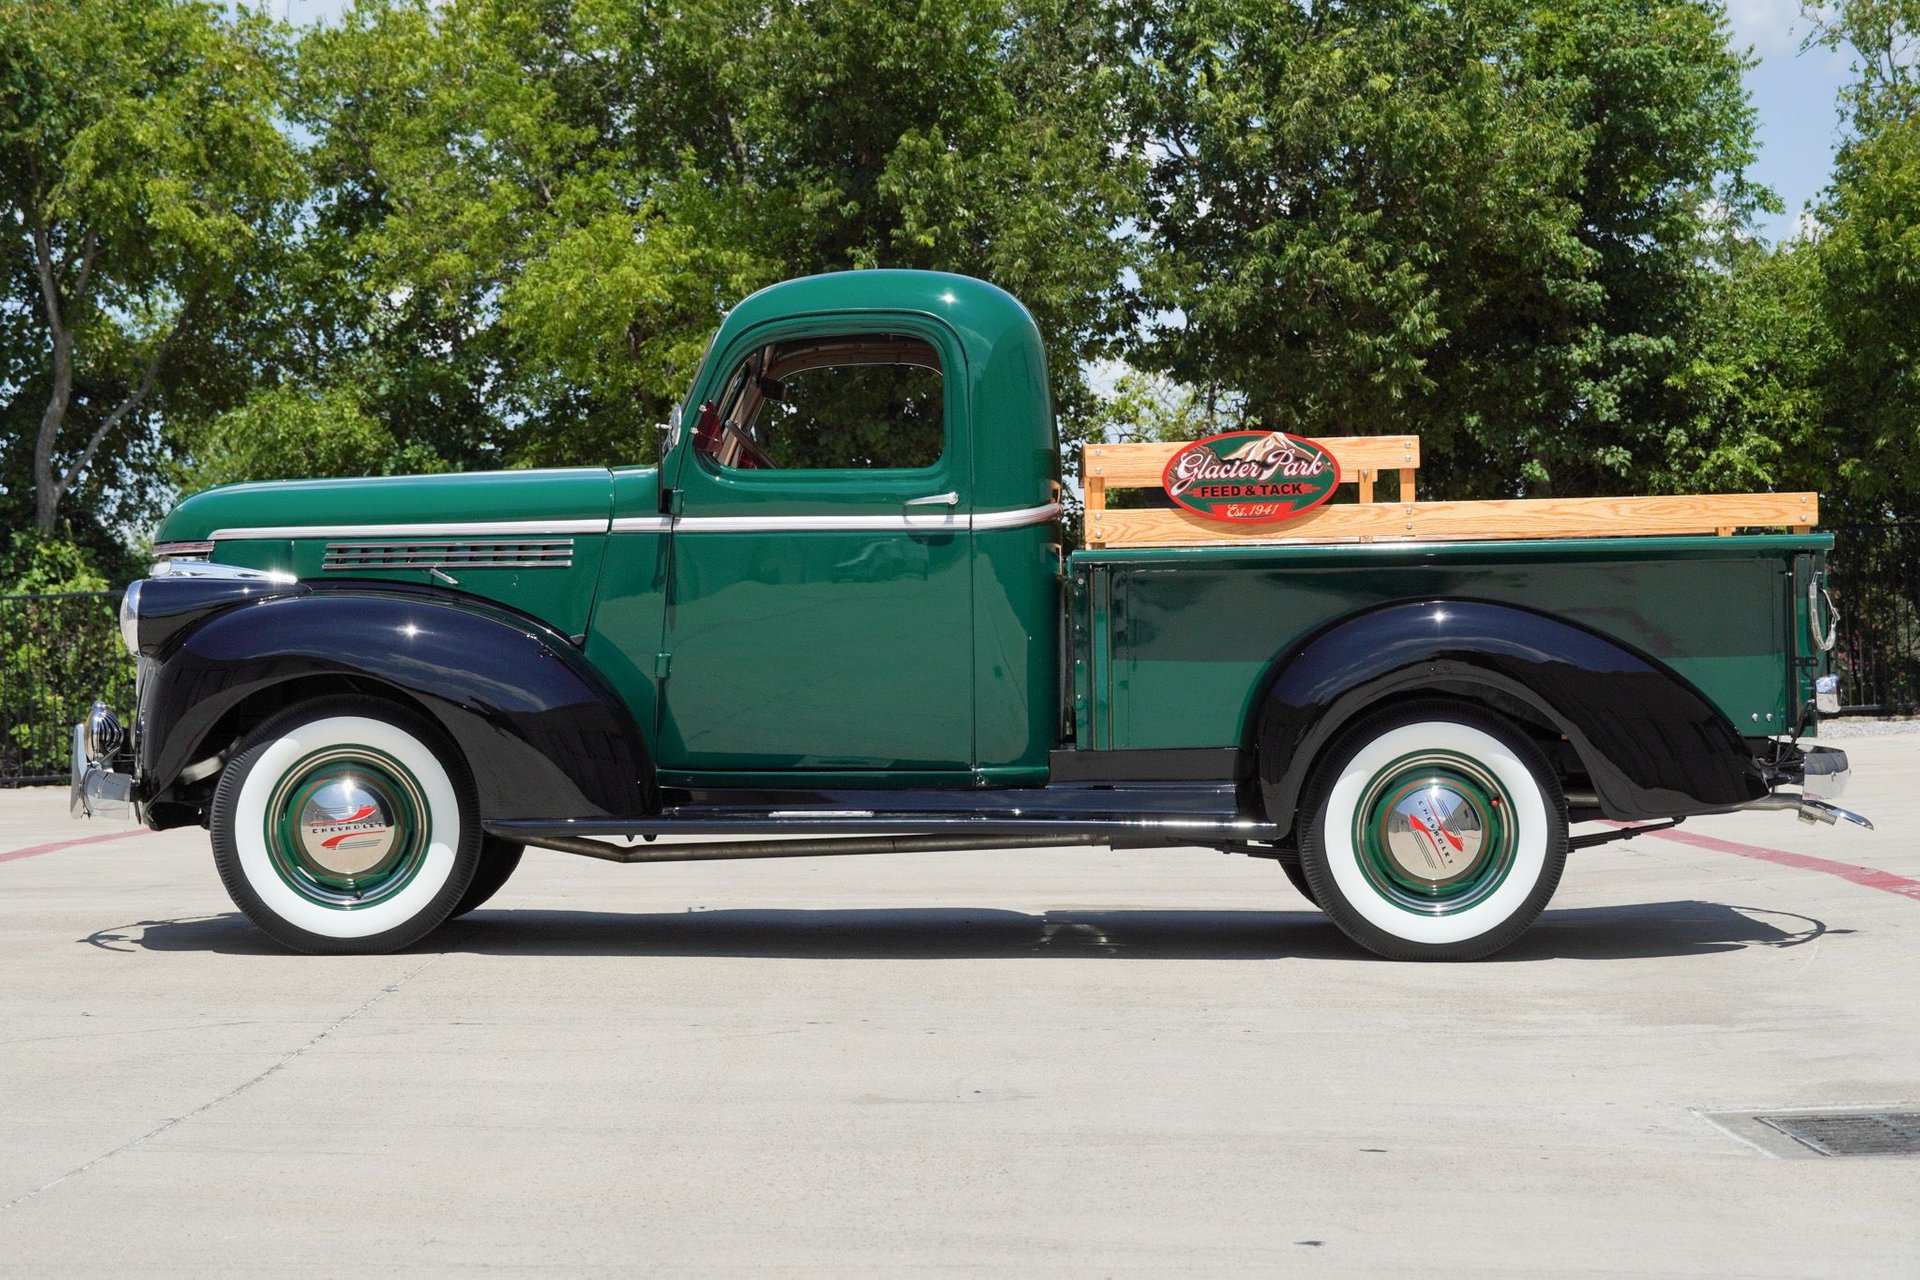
1859,1133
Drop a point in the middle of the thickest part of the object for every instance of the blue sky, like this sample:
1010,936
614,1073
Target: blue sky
1795,95
1793,92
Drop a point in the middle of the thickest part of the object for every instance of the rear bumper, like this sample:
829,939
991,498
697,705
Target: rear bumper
1824,772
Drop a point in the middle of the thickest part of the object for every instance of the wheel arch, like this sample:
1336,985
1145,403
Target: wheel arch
539,729
1651,744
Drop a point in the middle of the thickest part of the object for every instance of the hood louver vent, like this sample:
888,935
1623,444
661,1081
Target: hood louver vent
487,553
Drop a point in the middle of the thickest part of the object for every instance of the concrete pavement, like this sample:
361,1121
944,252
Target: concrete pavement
1091,1062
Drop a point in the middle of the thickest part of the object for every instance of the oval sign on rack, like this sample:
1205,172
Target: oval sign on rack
1251,476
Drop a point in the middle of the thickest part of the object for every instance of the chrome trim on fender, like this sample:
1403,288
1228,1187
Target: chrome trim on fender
201,569
447,529
642,524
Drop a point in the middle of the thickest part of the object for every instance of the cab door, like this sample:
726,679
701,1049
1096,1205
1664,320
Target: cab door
819,610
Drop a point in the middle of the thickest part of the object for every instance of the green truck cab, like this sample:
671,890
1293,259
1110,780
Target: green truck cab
839,619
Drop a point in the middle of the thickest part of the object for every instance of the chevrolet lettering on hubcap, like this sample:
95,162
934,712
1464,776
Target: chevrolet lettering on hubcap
344,827
1434,834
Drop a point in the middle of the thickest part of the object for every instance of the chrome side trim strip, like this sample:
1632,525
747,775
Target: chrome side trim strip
475,528
1015,519
914,522
929,522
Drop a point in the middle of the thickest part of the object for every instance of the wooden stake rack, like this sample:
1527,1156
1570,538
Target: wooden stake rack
1363,459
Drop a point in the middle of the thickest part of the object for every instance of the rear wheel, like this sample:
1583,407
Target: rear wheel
346,825
1435,831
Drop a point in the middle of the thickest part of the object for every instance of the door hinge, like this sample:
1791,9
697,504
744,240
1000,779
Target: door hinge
662,663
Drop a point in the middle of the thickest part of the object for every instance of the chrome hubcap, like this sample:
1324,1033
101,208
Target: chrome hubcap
1434,831
346,827
1434,835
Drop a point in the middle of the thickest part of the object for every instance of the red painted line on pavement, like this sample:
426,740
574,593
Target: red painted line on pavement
1867,876
34,850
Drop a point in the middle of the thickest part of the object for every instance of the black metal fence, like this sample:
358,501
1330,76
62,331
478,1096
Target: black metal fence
57,654
1874,575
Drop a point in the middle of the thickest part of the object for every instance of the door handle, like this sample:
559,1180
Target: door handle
935,500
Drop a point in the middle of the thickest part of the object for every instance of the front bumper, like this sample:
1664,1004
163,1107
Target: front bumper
97,791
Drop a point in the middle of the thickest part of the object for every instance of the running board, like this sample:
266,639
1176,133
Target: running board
1168,828
833,847
1160,815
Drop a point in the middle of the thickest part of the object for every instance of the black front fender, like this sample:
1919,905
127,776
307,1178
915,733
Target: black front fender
1652,744
542,732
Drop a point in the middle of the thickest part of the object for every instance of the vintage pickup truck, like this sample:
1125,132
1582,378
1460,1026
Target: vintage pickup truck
838,619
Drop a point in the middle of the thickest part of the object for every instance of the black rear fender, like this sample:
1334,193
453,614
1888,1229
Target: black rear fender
1649,742
540,729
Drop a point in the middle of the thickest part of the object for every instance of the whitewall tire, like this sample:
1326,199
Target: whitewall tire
346,825
1433,831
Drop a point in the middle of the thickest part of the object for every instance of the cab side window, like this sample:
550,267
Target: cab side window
858,402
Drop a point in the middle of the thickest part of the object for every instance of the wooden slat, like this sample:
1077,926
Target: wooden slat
1501,518
1140,466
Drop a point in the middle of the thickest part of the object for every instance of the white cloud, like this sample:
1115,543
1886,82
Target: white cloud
1770,26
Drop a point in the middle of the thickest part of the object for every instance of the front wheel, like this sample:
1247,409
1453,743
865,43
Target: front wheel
346,825
1298,879
499,859
1434,831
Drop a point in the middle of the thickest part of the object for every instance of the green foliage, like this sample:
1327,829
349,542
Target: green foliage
59,653
472,233
530,216
141,159
1867,370
1142,406
36,562
1483,222
290,433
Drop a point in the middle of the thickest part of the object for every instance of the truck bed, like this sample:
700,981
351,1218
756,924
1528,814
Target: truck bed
1171,643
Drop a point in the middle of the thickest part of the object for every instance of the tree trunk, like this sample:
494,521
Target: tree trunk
49,486
47,489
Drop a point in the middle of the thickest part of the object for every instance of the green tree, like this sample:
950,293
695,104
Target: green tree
140,159
1483,221
1868,256
292,432
530,214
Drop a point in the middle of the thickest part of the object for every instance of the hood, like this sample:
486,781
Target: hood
289,508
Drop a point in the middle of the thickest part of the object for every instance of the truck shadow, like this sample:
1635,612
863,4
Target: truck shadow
1638,931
